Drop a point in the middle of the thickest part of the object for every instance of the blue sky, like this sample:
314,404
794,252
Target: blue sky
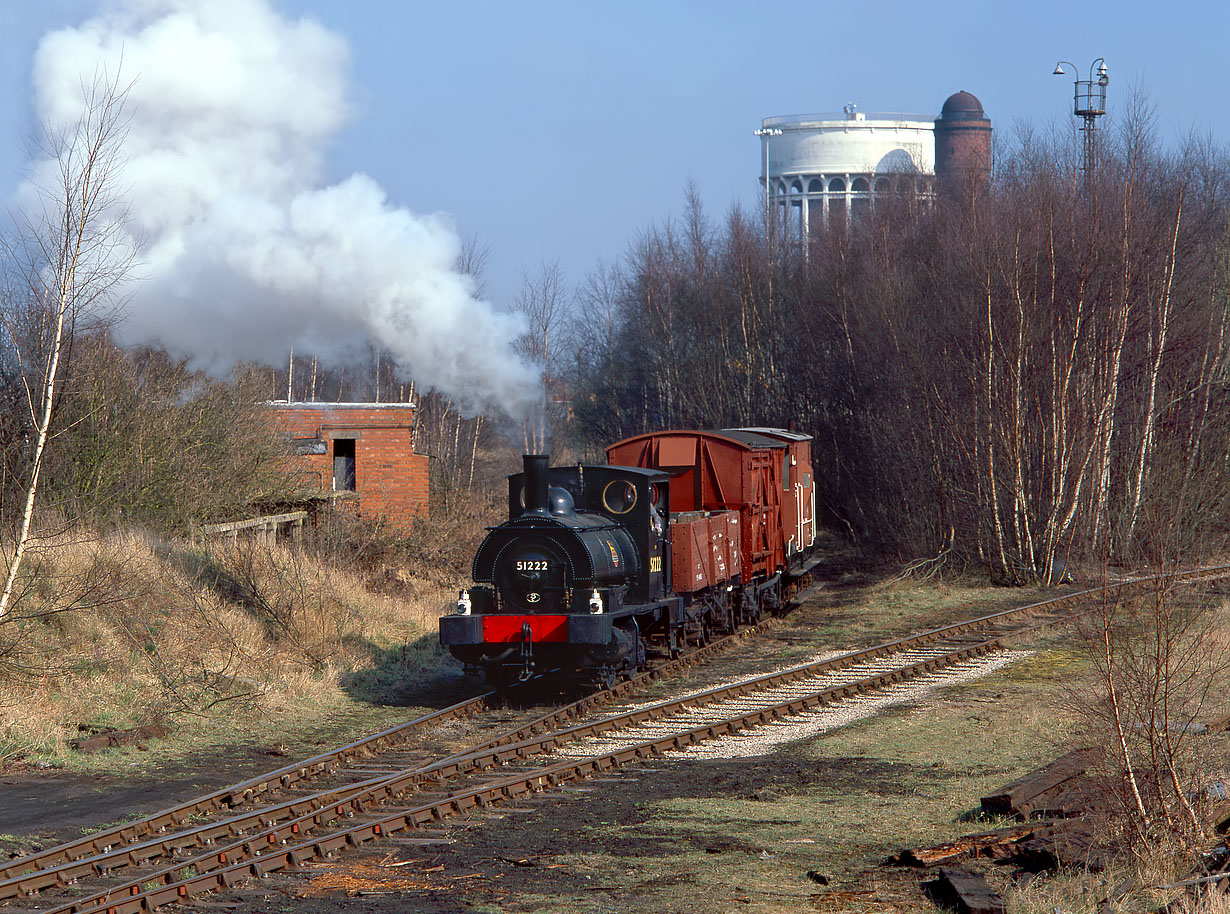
557,131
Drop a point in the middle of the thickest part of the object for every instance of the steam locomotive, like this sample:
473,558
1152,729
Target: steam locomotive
683,536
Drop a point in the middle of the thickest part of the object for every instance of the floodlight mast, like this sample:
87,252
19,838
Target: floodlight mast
1089,103
764,133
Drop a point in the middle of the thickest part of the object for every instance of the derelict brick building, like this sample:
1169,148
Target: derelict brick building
362,452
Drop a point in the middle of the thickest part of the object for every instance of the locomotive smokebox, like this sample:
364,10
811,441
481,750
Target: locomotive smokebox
536,482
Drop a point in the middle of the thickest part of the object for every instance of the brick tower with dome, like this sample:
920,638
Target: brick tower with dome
962,146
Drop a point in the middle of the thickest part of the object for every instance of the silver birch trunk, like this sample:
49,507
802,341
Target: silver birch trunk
1146,437
82,222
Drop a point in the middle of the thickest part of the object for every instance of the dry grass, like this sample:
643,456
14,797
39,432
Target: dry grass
1147,887
119,631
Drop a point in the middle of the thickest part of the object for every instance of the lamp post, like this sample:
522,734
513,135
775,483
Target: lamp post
764,133
1089,102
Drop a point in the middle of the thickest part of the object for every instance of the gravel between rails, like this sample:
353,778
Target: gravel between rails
766,738
763,740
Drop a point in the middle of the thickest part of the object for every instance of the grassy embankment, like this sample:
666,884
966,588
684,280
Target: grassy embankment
221,643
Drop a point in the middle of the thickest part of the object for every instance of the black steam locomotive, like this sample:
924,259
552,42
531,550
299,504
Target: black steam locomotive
575,582
694,534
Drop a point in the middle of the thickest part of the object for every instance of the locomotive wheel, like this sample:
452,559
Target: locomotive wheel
640,657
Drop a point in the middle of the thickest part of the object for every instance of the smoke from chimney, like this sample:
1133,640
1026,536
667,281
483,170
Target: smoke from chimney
244,252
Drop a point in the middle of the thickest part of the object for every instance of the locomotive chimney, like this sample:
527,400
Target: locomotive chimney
536,482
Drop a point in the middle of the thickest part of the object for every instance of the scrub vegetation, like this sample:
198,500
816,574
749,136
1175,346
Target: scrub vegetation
210,640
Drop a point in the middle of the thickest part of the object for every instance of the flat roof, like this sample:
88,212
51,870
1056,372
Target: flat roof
859,119
774,432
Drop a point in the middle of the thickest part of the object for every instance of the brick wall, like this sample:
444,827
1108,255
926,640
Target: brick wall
390,479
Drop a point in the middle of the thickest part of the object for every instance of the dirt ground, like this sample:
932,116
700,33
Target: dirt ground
611,850
41,807
807,827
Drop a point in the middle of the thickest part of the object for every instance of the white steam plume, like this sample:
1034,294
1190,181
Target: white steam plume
244,253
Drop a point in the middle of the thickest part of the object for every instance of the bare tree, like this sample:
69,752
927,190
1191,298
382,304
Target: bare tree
72,253
544,301
472,261
1016,381
1158,657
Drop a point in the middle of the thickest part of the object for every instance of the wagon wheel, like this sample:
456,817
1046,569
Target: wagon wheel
750,609
706,630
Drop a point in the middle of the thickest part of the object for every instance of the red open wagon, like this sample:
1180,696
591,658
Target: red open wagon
764,475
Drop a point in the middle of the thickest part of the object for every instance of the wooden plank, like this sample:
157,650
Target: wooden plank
1220,815
233,526
1070,842
1010,798
111,738
1077,846
967,891
976,845
1073,797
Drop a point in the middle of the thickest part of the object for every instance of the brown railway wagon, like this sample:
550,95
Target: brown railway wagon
704,549
763,474
798,488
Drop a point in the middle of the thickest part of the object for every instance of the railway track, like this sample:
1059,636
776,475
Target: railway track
322,784
173,855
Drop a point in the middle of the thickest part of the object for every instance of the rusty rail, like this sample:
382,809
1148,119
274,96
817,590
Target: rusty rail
103,841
